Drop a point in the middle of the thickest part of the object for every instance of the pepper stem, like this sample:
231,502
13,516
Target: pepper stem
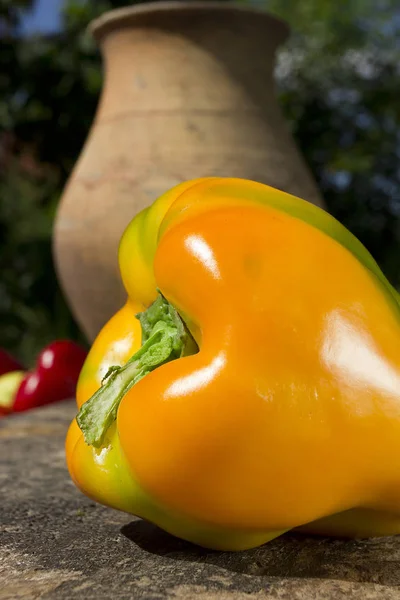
164,338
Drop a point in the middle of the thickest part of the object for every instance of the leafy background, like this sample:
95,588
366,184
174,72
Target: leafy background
338,79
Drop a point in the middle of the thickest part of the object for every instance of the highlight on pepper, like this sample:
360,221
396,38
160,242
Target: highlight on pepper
251,383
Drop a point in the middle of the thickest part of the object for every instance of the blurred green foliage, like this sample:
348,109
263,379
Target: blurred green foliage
338,80
339,86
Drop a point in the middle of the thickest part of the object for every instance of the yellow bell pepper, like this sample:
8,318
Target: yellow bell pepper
259,389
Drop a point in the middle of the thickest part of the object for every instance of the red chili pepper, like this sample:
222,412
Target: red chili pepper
54,378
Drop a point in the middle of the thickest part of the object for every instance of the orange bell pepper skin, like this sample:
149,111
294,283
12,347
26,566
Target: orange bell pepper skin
288,416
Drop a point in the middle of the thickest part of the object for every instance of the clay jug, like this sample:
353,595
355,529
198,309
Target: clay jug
188,92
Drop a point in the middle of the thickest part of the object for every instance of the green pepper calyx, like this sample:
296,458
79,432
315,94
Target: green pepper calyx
164,338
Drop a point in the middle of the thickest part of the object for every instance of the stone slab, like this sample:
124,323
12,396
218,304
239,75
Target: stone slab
56,544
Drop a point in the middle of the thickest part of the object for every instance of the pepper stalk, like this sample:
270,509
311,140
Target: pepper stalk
164,339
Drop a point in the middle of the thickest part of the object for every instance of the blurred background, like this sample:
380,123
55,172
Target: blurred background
338,79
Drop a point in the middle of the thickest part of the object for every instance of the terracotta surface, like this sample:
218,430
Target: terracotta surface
188,93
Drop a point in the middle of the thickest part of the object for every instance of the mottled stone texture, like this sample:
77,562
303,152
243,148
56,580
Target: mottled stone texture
57,544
